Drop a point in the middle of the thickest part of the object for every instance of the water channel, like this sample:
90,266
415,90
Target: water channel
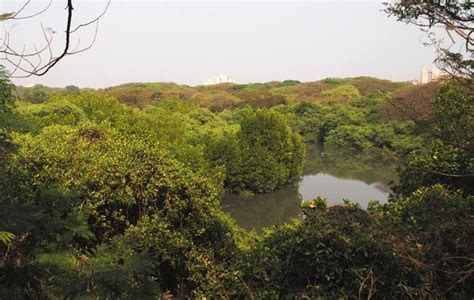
333,175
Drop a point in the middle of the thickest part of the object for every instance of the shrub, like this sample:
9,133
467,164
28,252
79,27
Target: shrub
263,155
333,252
438,226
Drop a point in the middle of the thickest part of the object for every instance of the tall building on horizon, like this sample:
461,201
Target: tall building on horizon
429,74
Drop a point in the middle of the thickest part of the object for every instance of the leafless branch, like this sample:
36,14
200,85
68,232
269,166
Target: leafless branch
16,17
26,63
96,20
75,51
371,288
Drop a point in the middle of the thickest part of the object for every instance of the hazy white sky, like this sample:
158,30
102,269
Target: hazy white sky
189,42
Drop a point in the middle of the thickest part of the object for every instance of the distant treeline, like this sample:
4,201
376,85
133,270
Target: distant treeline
229,96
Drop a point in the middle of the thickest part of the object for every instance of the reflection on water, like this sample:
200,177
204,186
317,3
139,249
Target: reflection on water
330,174
264,210
370,168
335,189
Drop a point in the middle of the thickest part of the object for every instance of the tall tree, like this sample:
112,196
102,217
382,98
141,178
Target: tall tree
447,157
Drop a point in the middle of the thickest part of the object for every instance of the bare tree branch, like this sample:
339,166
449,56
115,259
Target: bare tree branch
32,62
16,17
94,20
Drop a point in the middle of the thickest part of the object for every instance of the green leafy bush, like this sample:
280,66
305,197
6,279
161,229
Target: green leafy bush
438,226
333,252
263,155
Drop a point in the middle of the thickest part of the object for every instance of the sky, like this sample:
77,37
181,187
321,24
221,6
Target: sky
189,42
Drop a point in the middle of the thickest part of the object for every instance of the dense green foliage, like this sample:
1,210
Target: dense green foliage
437,226
6,116
352,127
447,156
84,192
116,193
335,252
263,155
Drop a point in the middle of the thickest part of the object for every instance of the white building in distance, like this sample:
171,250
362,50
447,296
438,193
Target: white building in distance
429,74
217,80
